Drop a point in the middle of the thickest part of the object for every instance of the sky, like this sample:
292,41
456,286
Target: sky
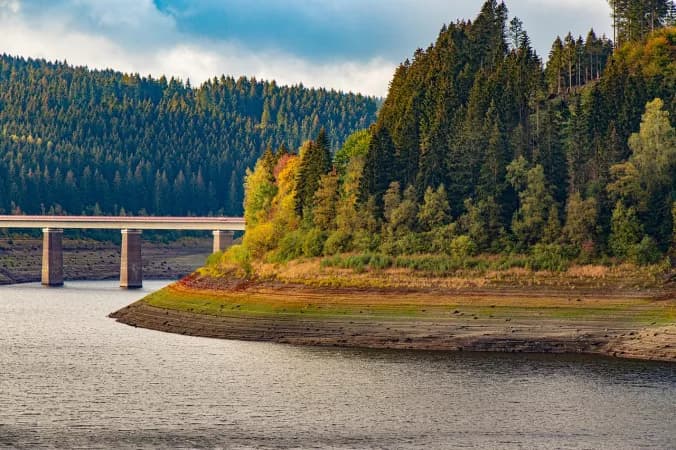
348,45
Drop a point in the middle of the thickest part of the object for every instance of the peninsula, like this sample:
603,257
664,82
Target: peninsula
495,204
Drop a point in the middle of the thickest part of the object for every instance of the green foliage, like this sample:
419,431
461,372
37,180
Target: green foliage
482,222
534,201
214,258
646,180
259,190
290,246
378,166
463,247
552,231
325,202
239,256
645,252
634,19
626,230
434,264
89,141
313,242
551,257
400,216
581,216
434,212
339,241
470,130
315,162
439,239
356,145
359,263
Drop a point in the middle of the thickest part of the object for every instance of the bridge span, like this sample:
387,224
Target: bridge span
131,273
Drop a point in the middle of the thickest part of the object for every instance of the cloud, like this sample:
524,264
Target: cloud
351,45
178,55
10,6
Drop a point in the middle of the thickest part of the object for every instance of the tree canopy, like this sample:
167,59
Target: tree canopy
102,142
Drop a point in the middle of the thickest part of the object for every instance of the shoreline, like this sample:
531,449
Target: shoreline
625,324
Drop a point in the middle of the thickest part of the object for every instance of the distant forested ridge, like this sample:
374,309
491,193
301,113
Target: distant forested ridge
479,148
101,142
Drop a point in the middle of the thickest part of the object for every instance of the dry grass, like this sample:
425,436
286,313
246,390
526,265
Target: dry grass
310,272
588,271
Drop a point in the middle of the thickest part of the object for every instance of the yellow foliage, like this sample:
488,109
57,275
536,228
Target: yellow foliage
283,205
260,239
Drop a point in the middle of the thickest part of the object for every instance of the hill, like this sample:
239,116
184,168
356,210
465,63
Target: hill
478,149
102,142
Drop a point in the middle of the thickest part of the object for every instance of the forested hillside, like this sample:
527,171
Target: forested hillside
479,148
79,141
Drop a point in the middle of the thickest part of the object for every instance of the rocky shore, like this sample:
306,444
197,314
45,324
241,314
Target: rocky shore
612,322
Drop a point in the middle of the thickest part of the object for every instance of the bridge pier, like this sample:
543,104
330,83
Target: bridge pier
222,240
131,265
52,257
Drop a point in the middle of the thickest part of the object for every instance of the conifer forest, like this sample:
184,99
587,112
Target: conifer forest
79,141
484,147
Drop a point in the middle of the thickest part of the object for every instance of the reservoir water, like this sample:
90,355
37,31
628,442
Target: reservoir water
71,377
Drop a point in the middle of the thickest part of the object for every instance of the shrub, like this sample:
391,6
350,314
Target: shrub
365,241
214,258
337,242
290,247
239,256
509,261
463,247
548,257
357,262
437,264
439,239
645,252
313,242
332,261
380,262
626,230
260,239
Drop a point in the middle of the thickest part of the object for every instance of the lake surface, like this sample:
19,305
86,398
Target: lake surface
71,377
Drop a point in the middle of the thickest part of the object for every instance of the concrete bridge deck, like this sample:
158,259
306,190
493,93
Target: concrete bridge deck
131,275
124,222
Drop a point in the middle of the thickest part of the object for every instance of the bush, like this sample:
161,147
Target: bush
439,239
332,261
260,239
645,252
365,241
438,264
380,262
405,244
357,262
548,257
214,258
313,242
239,255
509,261
337,242
463,247
290,247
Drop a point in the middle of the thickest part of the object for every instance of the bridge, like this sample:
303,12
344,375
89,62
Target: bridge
131,273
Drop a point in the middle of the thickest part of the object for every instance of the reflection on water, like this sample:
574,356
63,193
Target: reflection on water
69,376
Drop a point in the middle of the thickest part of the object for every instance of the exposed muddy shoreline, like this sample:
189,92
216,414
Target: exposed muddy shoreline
529,321
21,259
